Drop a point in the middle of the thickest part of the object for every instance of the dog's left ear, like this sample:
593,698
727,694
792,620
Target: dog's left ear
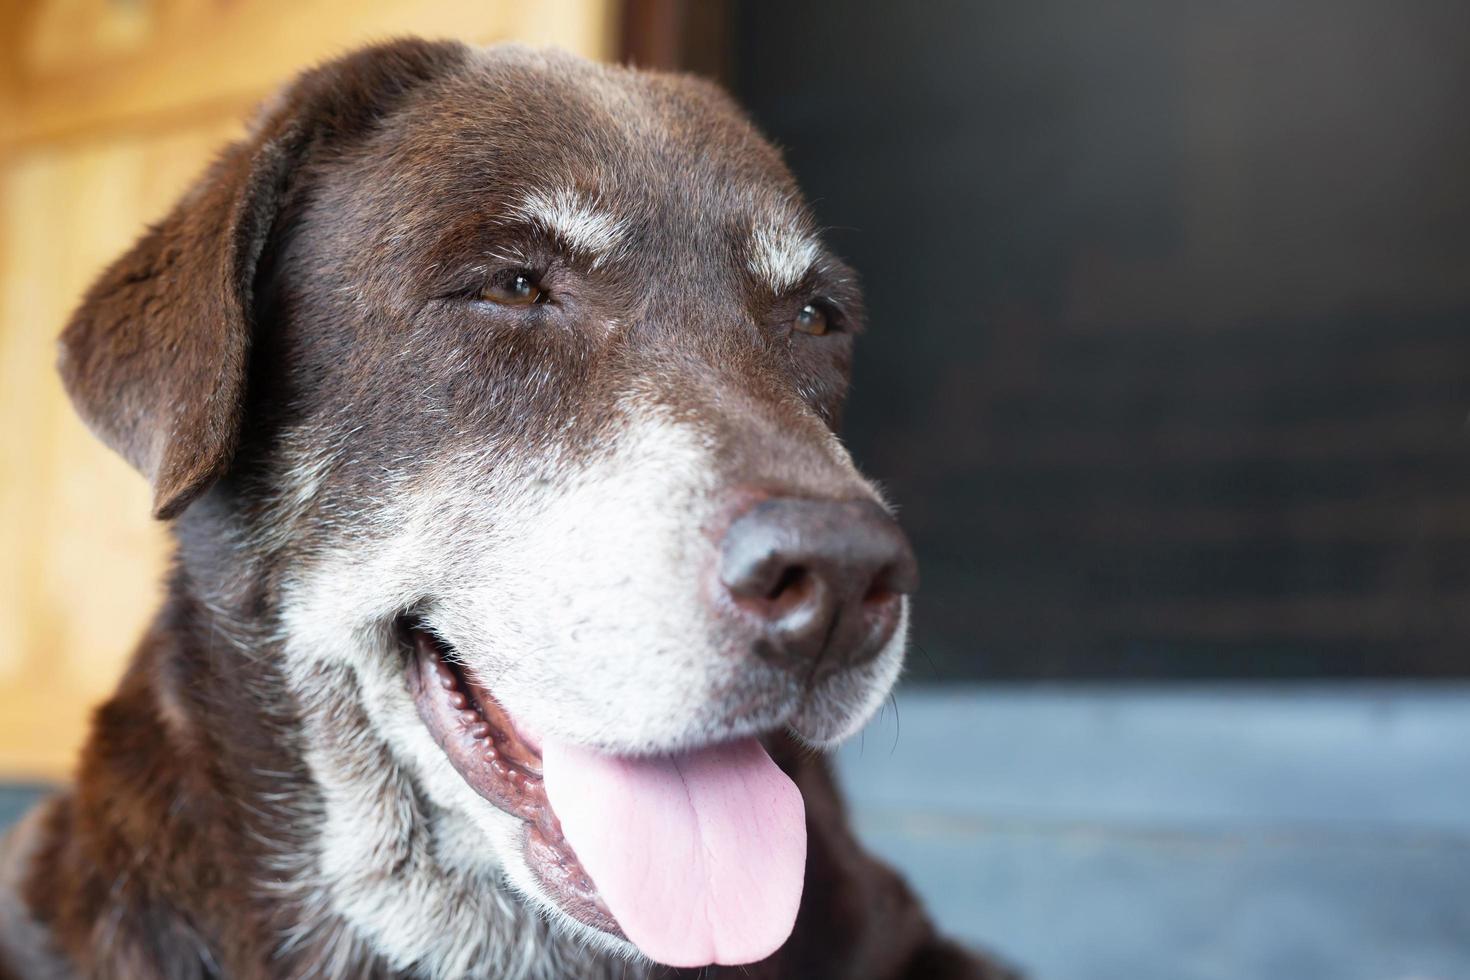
156,357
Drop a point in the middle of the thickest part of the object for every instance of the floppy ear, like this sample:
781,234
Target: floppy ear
156,357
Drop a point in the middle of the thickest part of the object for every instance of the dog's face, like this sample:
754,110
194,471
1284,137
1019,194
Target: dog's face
536,439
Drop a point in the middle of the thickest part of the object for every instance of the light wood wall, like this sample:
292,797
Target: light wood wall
107,109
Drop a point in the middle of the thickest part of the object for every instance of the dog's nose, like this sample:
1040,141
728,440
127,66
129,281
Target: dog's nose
819,577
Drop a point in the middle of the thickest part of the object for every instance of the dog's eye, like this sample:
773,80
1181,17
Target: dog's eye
514,287
813,318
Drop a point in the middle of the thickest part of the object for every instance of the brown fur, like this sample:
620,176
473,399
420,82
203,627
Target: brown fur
168,857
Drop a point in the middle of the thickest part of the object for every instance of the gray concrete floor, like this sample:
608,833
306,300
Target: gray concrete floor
1183,833
1177,833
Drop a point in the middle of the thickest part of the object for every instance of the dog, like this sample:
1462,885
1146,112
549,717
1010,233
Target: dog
491,396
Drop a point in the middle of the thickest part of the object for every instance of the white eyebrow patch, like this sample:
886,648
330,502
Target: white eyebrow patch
576,221
781,255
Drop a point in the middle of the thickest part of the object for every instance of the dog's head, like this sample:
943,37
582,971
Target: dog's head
505,385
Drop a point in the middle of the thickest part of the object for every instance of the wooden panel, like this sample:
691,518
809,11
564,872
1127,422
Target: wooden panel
107,111
85,64
84,556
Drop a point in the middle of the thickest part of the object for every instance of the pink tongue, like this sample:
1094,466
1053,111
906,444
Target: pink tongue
699,856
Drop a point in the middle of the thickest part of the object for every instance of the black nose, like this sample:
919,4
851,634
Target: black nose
820,578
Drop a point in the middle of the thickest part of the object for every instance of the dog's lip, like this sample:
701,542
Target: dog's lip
506,739
501,762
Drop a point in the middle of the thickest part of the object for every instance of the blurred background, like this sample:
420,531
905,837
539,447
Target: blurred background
1169,373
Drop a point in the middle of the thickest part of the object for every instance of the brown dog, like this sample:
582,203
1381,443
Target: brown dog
491,395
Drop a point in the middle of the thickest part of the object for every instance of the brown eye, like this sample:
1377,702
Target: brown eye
812,319
514,288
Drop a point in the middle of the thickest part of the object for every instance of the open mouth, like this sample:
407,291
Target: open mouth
695,858
504,767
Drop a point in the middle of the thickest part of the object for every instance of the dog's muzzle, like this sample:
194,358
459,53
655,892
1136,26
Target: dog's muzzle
696,853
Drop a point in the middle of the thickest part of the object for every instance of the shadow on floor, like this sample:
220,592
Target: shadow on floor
1183,833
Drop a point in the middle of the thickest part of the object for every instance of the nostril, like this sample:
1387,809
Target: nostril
792,579
796,595
891,582
879,593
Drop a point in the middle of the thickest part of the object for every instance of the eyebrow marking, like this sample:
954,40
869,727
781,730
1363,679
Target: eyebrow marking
576,221
781,255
